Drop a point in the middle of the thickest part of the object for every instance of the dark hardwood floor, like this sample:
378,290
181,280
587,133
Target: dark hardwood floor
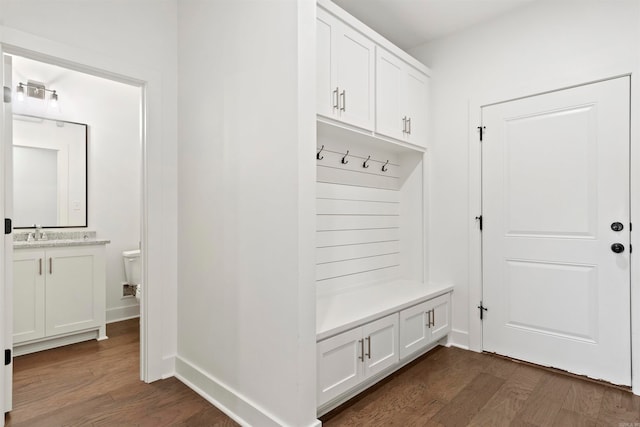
454,387
96,384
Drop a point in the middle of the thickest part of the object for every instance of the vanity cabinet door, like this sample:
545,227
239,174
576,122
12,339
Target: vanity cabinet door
75,289
28,295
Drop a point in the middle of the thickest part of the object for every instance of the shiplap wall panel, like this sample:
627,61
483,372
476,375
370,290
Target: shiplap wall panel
331,270
346,252
356,222
352,237
358,215
350,192
334,175
388,273
355,207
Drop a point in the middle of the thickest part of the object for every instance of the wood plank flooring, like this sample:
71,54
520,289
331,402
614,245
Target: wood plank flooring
96,384
454,387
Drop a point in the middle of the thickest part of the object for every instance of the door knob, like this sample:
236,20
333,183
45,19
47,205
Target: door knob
617,226
617,248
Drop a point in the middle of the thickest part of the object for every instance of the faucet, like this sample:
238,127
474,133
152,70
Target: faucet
37,233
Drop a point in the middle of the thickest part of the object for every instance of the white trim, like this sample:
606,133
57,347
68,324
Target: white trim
150,82
459,339
244,412
475,201
358,25
118,314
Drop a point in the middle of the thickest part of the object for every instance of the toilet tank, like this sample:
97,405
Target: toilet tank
132,267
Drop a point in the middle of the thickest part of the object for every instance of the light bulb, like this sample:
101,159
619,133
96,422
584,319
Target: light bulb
20,93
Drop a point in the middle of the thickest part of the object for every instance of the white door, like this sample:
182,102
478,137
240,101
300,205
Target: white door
6,249
414,329
355,68
555,183
28,295
380,344
390,92
73,279
339,361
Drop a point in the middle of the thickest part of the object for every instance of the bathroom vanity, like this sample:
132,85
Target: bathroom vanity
58,291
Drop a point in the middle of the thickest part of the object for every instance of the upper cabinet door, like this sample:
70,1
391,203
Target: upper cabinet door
345,73
326,93
416,104
390,81
401,99
356,56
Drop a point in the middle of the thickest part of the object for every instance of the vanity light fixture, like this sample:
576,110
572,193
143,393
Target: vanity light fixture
35,90
38,91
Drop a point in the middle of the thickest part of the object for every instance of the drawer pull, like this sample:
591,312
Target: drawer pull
361,357
50,265
40,266
369,346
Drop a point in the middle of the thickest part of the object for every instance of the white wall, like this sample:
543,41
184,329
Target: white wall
112,112
246,308
542,46
130,38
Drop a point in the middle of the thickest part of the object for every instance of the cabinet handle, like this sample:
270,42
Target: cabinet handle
336,104
433,317
343,94
369,346
50,265
361,357
40,266
404,124
428,319
409,125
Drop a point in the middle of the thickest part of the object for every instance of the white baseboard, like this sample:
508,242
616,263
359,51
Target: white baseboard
458,339
223,397
169,366
119,314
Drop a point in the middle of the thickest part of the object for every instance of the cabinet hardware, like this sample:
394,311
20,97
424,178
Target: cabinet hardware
318,156
361,357
433,317
343,94
40,266
336,104
7,357
428,313
384,167
50,265
404,124
369,346
7,226
481,129
409,125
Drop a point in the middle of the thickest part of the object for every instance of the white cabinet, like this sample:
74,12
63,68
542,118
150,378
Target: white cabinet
345,72
58,291
424,323
347,359
401,99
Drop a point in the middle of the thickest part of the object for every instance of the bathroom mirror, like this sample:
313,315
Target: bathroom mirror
49,172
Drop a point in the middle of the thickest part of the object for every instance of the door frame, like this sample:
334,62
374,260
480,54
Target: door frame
475,209
153,365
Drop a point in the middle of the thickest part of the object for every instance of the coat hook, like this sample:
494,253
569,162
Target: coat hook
344,161
364,164
384,167
318,154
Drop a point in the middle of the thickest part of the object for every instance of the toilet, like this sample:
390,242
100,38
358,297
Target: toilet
132,269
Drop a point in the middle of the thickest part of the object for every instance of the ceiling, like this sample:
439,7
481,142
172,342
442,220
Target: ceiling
411,23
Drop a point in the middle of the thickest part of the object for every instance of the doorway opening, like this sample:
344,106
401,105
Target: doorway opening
111,110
